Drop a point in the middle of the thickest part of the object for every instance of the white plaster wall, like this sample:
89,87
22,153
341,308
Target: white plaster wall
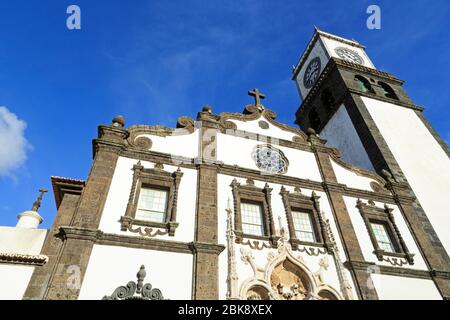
272,131
341,134
119,192
14,278
245,271
233,150
400,288
350,178
110,267
21,240
421,158
180,143
332,44
14,281
364,239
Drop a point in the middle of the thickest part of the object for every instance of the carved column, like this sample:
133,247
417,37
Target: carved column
206,262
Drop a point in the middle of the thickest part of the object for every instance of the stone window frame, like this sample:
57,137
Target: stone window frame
249,193
155,178
296,201
373,214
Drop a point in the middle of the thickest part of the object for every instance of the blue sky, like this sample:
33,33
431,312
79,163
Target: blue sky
153,61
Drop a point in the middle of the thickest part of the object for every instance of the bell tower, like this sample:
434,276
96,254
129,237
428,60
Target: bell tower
368,116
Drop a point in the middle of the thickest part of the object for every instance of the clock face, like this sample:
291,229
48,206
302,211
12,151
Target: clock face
312,73
349,55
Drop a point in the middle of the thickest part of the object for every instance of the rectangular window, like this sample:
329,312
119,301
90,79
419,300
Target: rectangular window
303,226
382,237
252,219
152,205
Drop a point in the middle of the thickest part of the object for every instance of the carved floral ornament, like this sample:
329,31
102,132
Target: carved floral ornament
285,277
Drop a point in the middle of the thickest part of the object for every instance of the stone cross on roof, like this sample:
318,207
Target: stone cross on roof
258,96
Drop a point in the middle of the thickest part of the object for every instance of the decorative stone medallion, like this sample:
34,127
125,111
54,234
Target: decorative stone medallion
263,125
270,160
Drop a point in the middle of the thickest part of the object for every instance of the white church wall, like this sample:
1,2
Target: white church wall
233,150
273,131
110,267
421,158
364,238
341,134
245,271
119,192
400,288
350,178
14,281
14,278
179,143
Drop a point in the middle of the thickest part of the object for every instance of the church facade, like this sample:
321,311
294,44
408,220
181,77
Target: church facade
240,206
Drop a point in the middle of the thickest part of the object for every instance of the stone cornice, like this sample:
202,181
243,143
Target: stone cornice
396,271
237,171
333,64
23,259
101,238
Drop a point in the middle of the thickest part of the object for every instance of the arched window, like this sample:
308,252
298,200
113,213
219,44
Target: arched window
327,98
314,119
388,91
363,84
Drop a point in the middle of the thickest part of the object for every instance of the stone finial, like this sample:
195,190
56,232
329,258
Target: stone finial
37,203
31,219
311,131
207,108
140,277
118,121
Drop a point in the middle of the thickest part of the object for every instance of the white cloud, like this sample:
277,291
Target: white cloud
13,144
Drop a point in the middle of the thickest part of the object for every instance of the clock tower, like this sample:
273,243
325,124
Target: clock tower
367,115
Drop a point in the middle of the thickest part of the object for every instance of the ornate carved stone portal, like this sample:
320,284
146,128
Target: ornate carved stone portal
285,277
289,282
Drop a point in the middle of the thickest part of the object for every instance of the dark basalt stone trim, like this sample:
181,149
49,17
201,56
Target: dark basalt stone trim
382,158
305,183
189,163
260,196
101,238
388,100
371,213
433,132
393,271
336,66
166,159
